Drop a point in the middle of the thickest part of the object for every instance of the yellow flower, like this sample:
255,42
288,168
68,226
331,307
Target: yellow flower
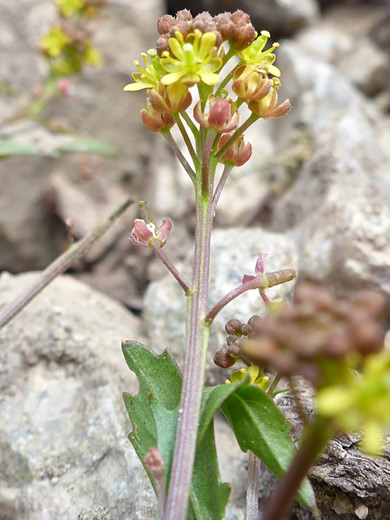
361,402
260,59
191,60
149,76
54,41
254,374
70,7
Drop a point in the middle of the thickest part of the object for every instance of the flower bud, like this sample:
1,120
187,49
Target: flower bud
233,327
181,27
223,359
171,99
219,114
154,461
165,23
155,121
184,15
239,17
250,84
204,22
225,26
162,45
244,34
239,152
266,107
144,234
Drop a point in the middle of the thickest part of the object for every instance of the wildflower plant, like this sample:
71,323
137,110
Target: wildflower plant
224,62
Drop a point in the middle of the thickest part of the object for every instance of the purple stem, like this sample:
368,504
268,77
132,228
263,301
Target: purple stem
197,334
257,282
156,245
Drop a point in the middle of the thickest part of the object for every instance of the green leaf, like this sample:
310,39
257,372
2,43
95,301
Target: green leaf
82,144
27,137
212,399
208,495
260,427
9,148
153,413
158,376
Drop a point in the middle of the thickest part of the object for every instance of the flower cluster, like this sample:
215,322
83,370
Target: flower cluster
193,52
336,345
68,44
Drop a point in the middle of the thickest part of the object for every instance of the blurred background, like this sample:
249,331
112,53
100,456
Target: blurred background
334,57
315,196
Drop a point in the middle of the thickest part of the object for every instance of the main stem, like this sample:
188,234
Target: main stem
197,336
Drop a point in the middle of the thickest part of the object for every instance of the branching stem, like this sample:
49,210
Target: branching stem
176,150
238,133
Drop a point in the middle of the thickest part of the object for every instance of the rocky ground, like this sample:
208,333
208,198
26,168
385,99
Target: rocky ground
314,195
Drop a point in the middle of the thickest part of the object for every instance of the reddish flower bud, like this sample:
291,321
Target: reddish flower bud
184,15
162,45
244,35
181,27
154,461
144,234
165,23
239,17
219,114
65,87
233,327
238,154
204,22
225,26
156,121
223,359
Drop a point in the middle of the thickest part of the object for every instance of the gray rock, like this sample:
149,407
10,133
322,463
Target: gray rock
338,206
98,108
63,445
234,253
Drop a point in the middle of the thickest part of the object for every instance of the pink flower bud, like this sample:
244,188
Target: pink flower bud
144,234
238,154
155,121
64,86
219,114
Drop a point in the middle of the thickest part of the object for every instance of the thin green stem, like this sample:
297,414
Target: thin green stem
206,170
220,186
251,119
187,140
190,124
176,150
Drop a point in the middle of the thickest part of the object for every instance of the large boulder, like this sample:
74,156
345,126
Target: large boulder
63,445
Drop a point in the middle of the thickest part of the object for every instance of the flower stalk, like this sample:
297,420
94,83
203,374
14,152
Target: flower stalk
189,54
